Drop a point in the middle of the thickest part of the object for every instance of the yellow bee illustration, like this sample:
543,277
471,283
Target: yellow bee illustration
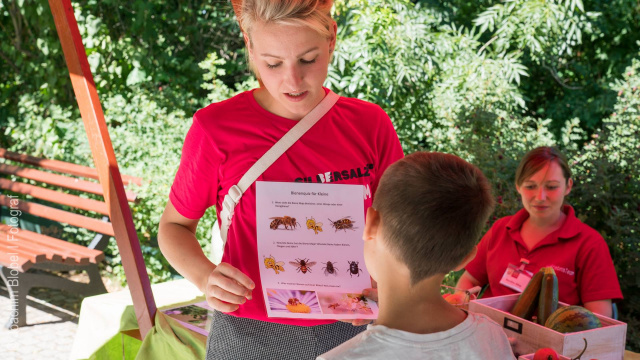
313,225
271,263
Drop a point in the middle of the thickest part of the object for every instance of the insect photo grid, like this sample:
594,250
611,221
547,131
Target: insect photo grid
290,223
305,265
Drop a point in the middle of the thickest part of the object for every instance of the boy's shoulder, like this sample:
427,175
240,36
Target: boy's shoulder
487,340
477,337
366,345
485,323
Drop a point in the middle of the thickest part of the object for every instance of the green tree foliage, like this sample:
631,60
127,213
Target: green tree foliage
423,72
487,80
608,191
154,65
573,49
132,47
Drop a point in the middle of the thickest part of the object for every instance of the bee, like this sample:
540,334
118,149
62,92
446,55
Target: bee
303,265
271,263
330,268
294,301
313,225
296,306
354,269
334,305
355,298
343,224
287,221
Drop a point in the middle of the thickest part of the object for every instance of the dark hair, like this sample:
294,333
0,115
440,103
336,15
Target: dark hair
433,207
536,159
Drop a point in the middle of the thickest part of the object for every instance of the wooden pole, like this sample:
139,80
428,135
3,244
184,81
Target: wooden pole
105,162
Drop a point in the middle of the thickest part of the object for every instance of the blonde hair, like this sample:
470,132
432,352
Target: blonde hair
314,14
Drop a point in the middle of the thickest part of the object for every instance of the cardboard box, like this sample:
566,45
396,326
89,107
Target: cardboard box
605,343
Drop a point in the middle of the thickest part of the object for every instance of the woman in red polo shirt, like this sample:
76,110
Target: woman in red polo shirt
545,233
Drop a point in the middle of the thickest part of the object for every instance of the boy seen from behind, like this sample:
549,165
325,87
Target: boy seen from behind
427,215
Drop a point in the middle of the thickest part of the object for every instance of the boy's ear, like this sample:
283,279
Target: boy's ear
467,259
371,224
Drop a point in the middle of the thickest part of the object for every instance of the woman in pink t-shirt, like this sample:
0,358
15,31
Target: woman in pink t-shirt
290,44
546,233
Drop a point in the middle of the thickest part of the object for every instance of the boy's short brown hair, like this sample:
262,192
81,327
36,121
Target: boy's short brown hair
433,207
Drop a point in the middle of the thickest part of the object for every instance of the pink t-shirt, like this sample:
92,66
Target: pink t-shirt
352,144
578,254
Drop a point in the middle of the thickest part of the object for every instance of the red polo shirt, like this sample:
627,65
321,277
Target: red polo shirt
578,254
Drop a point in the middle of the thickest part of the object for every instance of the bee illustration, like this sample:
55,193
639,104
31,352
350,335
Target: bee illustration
287,221
271,263
343,224
303,265
296,306
334,306
313,225
330,268
354,269
355,298
294,301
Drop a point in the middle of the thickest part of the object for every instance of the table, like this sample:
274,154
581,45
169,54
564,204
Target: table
108,328
628,355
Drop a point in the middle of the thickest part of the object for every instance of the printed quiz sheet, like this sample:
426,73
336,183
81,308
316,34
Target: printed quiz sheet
310,250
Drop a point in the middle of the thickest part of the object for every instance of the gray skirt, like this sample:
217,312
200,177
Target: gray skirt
235,338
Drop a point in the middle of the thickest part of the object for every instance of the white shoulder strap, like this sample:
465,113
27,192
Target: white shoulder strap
236,191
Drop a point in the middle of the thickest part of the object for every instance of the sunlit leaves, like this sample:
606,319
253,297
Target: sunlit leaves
542,27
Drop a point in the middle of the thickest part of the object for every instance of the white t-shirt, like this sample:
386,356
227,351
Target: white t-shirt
477,337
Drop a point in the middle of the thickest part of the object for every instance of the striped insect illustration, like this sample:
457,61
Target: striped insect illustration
303,265
288,222
343,224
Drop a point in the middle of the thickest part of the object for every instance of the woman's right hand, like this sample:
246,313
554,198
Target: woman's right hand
227,288
224,286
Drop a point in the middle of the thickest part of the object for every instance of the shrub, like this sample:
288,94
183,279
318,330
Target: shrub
607,192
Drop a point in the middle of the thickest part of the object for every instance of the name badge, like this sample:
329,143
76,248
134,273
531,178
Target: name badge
516,278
